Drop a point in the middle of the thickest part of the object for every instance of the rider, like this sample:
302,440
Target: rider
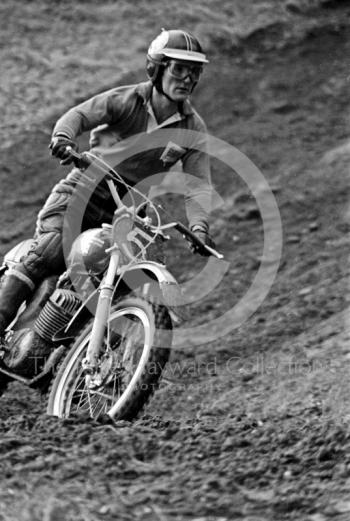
175,61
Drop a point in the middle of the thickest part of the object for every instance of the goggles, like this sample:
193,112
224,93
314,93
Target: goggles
180,70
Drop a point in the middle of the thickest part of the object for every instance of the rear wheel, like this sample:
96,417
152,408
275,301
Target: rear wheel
135,353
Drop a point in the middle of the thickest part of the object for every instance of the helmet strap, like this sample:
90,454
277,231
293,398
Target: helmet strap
159,87
158,83
194,86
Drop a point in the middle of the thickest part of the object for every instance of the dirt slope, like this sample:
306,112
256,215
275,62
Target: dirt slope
255,425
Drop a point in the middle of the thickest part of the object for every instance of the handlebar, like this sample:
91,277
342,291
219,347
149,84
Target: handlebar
83,160
197,242
79,160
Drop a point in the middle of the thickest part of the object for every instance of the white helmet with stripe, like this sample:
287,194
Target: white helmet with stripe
176,44
173,44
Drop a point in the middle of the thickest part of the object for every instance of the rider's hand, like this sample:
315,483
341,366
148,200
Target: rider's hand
58,147
202,234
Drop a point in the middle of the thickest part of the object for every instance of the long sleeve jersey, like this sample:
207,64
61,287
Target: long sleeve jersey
119,120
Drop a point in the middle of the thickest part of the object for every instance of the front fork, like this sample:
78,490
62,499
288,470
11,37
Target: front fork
91,361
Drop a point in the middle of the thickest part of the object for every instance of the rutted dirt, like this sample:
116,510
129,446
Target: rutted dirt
255,425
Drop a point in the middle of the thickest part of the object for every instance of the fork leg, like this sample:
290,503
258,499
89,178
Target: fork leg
90,363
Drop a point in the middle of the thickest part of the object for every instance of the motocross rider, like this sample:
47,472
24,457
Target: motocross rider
175,61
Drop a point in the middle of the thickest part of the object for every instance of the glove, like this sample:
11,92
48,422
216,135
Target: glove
202,234
58,147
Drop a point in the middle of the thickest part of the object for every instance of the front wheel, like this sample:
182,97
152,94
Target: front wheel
135,352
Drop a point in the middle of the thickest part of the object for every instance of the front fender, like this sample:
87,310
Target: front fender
154,280
151,269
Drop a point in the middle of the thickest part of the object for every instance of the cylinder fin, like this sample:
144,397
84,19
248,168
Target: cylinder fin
56,313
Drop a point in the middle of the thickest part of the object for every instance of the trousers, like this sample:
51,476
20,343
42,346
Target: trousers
46,256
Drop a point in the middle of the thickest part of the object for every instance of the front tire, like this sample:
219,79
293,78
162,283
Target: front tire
140,337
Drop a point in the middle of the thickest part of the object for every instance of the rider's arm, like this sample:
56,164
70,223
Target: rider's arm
105,108
196,163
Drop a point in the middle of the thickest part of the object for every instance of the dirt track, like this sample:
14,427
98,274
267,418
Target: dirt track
254,426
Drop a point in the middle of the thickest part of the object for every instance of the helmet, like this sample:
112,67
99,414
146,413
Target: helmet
176,44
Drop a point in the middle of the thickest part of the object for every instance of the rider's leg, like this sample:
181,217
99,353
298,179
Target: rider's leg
44,258
15,287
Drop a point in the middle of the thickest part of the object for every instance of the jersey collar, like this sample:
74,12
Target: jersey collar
144,89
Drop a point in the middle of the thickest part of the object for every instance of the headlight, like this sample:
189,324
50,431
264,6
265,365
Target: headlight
89,251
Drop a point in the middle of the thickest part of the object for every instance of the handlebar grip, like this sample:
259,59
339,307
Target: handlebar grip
213,252
194,239
79,160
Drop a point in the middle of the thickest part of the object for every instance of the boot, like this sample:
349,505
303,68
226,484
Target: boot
15,287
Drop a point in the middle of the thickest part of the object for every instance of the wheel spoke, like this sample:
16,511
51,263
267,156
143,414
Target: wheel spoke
90,406
96,405
103,395
83,400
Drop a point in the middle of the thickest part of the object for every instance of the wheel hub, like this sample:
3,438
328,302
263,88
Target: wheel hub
107,369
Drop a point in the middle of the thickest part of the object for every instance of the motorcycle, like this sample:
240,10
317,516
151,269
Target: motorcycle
96,339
